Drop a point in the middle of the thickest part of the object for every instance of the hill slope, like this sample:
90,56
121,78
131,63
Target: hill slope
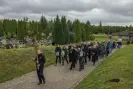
118,66
16,62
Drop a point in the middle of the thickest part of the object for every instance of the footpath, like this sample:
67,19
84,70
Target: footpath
57,77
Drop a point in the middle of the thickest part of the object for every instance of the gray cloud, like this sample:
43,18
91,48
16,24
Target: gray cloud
108,11
43,6
122,7
2,2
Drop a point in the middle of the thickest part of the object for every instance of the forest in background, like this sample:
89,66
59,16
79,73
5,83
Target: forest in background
59,30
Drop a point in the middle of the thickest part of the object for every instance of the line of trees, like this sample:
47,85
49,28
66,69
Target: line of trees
63,31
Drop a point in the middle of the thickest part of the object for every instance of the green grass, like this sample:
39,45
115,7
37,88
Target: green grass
101,37
16,62
119,65
104,37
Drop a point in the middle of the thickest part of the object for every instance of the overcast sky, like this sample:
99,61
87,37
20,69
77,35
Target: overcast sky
110,12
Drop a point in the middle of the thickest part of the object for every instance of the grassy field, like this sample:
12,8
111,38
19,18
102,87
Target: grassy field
104,37
16,62
101,37
119,65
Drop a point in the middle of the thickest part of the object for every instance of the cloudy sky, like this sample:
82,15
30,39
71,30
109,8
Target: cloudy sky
110,12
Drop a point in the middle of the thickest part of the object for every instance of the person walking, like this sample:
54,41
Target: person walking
58,54
40,61
73,55
94,54
81,59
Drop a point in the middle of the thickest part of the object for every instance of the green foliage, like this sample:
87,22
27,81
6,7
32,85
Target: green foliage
16,62
77,30
91,37
1,29
57,33
63,31
118,65
88,23
72,37
44,25
101,37
21,30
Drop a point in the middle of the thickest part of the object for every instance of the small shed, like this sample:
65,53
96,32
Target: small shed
125,35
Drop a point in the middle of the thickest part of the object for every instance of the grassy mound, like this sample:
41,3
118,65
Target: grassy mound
107,75
16,62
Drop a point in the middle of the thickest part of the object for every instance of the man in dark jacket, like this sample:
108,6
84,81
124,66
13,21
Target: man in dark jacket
85,53
58,54
40,61
66,54
73,55
70,53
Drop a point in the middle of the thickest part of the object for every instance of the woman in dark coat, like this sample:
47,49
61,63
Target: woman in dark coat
94,54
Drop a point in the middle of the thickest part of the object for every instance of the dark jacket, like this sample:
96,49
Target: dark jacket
85,50
58,49
74,55
94,54
41,60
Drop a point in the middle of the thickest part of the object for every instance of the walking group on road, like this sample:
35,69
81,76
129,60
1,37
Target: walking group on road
74,53
84,52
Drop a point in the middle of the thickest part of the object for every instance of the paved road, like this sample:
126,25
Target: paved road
57,77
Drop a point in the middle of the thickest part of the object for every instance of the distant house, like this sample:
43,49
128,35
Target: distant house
125,35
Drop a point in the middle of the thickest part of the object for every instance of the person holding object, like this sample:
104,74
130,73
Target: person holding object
40,61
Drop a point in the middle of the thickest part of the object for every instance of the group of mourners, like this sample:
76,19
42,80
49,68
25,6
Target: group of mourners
84,52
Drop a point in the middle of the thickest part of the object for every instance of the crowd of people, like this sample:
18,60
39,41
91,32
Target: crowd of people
84,52
74,53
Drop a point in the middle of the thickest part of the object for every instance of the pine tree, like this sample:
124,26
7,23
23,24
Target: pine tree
100,27
77,30
65,32
44,24
25,23
50,29
71,36
5,26
87,31
57,33
88,23
21,31
1,29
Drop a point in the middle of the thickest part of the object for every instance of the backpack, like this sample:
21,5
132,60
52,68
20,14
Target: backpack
57,53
